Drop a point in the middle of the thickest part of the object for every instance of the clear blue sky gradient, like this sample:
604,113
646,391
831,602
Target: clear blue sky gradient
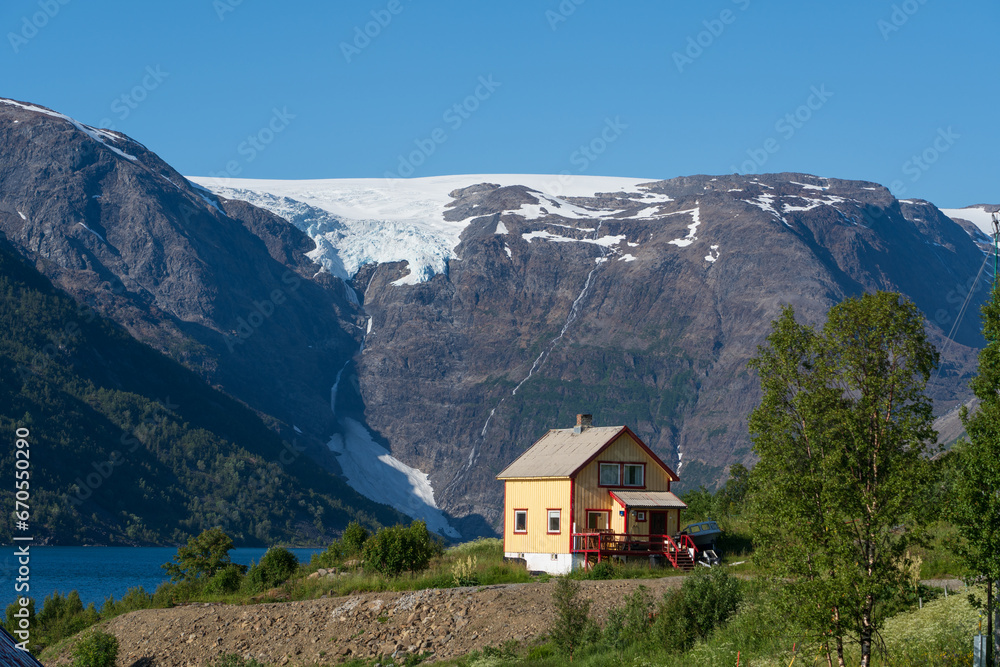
899,80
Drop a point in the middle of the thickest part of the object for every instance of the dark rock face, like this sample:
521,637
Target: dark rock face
641,310
651,331
222,286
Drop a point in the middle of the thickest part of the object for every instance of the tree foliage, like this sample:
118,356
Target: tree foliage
399,548
975,508
572,624
842,432
201,557
139,449
275,567
96,649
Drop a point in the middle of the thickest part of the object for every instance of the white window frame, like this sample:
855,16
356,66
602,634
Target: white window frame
553,514
523,513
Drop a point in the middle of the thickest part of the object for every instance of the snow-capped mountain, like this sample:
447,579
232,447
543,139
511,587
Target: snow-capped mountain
500,305
376,221
417,335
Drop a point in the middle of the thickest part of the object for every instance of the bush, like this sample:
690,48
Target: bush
277,566
96,649
64,616
354,539
393,550
629,624
572,627
602,570
705,601
136,598
226,580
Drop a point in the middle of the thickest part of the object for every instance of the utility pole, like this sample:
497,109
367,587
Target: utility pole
993,647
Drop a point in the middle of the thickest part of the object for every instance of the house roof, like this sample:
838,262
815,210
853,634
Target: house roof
648,499
12,656
562,452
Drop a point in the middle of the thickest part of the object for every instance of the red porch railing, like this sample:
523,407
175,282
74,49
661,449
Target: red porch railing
680,552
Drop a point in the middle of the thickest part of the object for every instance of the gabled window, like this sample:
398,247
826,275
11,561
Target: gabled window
634,474
520,521
610,474
554,521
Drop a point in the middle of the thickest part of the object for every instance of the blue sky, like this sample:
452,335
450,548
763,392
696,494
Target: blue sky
903,93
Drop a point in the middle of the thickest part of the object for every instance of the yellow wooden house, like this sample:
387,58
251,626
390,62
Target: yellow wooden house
583,494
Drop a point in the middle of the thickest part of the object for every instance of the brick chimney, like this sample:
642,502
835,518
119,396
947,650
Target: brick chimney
583,422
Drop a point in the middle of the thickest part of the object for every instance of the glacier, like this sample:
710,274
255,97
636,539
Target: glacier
358,221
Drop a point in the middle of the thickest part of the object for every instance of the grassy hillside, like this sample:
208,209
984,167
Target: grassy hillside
129,447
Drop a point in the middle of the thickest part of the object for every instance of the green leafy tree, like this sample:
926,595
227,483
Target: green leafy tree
841,432
975,508
202,557
398,548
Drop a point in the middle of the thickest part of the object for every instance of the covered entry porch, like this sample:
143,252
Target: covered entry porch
651,528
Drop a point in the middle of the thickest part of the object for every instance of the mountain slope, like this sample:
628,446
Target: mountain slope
640,303
218,289
128,447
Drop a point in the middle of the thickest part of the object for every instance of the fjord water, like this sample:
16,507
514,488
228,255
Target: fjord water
99,572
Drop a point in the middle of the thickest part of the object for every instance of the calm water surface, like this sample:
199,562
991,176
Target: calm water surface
99,572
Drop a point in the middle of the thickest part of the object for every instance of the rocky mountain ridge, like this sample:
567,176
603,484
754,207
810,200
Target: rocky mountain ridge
421,334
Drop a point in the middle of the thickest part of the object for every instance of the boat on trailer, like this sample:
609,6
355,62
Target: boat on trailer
703,533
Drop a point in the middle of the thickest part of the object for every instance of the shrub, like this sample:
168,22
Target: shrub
602,570
711,598
393,550
354,538
277,566
96,649
572,627
705,601
64,616
136,598
464,572
226,580
333,555
629,623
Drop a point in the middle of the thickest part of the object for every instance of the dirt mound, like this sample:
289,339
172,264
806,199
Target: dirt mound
445,622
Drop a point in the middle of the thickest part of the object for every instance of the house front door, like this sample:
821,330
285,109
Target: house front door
657,527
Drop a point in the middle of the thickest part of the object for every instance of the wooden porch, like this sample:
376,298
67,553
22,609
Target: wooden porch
679,551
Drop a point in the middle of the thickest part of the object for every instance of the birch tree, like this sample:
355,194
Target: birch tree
842,432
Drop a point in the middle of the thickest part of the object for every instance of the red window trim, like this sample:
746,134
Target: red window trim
644,514
607,516
553,532
609,463
621,474
514,525
631,486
